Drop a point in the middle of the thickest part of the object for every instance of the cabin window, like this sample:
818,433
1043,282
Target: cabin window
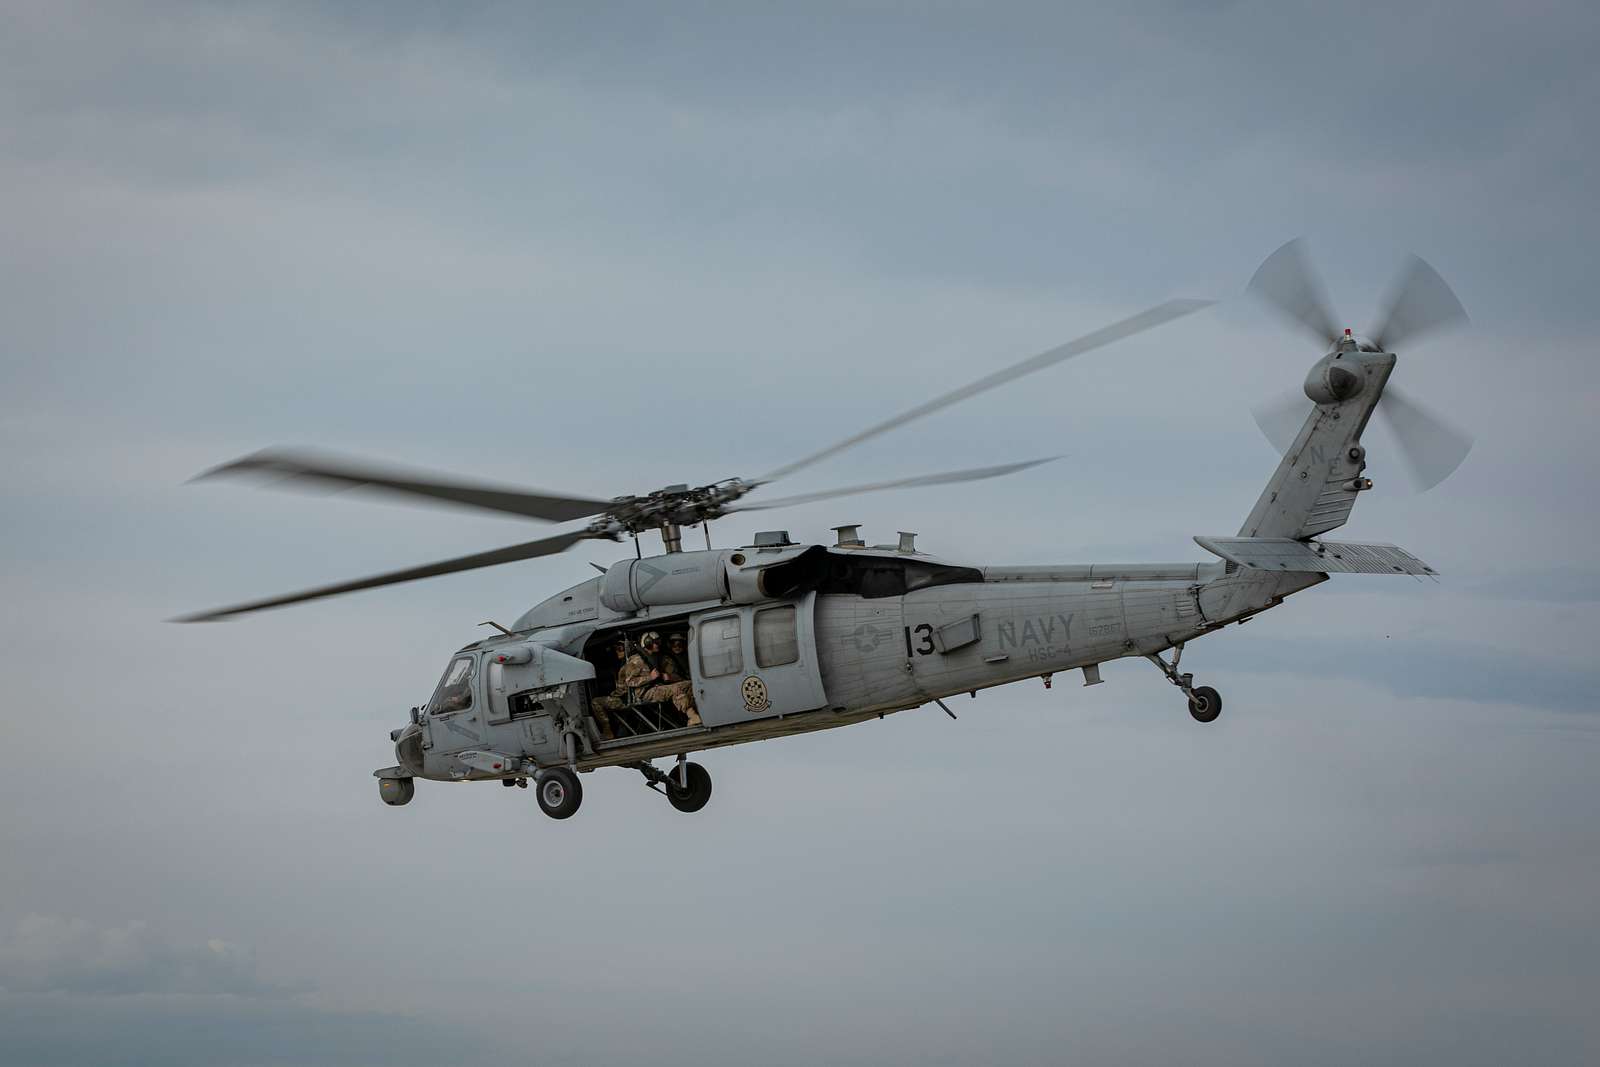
720,651
455,688
776,640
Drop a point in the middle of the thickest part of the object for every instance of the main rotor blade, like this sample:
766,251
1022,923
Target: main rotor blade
947,478
1281,417
295,466
1288,282
510,554
1431,448
1145,320
1419,302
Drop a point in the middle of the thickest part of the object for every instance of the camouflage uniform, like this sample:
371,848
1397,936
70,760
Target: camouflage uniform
635,676
602,707
672,667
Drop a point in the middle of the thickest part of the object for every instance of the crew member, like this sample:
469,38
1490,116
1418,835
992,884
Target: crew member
675,663
617,699
644,678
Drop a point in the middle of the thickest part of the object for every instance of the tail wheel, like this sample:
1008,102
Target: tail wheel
1205,703
694,796
559,793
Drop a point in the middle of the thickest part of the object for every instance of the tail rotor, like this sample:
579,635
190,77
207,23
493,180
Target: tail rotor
1419,302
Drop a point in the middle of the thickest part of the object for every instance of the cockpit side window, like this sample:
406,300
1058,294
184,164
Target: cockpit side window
455,688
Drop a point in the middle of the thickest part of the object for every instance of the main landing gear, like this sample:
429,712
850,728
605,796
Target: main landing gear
1205,703
687,786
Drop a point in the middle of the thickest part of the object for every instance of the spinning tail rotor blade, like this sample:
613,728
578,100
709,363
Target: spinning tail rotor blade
947,478
1431,448
1287,281
510,554
1419,302
289,466
1281,417
1145,320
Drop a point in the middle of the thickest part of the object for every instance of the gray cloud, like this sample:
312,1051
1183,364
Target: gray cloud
45,953
50,1030
1555,585
606,248
1424,668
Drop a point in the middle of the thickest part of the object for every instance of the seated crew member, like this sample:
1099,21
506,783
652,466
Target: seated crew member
675,662
617,699
644,678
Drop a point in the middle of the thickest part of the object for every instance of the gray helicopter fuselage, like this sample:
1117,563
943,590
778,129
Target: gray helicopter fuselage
841,656
786,639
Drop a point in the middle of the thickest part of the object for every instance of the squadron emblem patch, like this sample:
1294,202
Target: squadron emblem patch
755,694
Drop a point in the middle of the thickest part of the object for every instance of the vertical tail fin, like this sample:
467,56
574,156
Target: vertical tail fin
1318,479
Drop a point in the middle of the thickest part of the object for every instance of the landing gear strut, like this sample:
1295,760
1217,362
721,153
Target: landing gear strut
687,786
1205,703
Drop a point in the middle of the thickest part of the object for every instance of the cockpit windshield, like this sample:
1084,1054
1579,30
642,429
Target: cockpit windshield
455,688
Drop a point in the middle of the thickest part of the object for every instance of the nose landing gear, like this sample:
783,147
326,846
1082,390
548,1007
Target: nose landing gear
1205,703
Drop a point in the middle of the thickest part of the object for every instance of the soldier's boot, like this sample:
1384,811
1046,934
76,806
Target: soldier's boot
683,700
602,721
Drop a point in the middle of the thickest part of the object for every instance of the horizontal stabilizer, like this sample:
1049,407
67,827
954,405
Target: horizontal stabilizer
1320,557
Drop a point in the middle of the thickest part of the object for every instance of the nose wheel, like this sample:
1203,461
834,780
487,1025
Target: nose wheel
1205,703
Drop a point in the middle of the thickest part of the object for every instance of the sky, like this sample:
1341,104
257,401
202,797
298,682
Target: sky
600,248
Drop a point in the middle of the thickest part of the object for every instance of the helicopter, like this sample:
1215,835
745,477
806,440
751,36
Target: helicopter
782,638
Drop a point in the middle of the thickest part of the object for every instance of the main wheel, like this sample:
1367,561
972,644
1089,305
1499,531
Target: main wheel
560,793
698,792
1205,703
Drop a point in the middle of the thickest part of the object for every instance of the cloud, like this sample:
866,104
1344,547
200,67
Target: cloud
1418,667
45,1030
46,953
72,992
598,249
1554,585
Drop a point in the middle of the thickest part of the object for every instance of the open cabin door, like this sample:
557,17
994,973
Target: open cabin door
756,662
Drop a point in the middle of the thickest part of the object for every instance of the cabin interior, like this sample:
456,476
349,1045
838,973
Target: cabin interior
636,717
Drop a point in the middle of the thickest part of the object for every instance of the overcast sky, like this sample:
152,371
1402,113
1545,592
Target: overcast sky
605,247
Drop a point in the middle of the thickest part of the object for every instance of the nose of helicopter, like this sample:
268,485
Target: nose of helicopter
408,747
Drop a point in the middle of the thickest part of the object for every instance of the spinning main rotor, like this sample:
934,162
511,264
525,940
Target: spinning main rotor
667,509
